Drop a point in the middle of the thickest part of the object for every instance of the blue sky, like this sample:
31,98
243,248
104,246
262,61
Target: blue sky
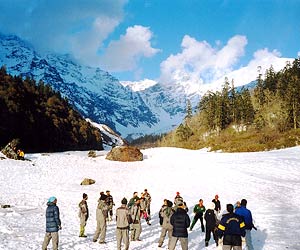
159,39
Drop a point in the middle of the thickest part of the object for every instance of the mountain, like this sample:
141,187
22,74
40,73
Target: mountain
41,119
132,109
95,93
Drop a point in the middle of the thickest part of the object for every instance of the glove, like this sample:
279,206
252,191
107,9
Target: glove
59,227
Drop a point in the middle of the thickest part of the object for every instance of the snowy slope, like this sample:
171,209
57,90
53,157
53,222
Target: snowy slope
109,137
268,180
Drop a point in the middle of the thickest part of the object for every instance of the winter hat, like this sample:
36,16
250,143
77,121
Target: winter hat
177,193
212,206
84,195
52,199
124,201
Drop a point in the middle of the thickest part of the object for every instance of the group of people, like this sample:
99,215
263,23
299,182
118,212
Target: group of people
104,213
231,226
174,220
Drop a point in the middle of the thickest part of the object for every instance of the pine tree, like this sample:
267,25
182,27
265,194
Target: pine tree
225,117
189,112
246,106
259,90
270,81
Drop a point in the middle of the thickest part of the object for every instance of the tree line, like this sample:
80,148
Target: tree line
271,107
41,118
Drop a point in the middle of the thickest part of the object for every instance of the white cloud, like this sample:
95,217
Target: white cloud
63,26
86,49
124,54
201,61
262,58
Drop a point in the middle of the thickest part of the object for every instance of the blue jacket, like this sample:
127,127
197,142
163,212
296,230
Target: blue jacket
180,222
246,215
53,222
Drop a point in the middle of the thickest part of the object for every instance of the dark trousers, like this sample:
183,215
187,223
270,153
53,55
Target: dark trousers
198,216
208,233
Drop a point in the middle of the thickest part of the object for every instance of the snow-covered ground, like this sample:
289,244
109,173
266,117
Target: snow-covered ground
270,181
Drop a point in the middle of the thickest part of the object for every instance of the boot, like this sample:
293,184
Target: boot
206,243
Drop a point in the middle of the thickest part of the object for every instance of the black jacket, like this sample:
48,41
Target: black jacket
217,205
211,219
180,222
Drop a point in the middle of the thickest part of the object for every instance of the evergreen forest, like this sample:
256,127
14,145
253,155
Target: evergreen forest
41,119
240,120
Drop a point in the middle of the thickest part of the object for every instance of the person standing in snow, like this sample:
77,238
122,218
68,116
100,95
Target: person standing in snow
247,216
147,201
136,229
132,201
177,198
165,213
161,209
110,203
180,222
211,224
123,220
217,203
101,215
143,204
199,209
232,229
53,224
83,214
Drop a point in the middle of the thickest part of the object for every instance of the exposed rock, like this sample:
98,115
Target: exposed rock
10,150
5,206
125,153
87,181
92,154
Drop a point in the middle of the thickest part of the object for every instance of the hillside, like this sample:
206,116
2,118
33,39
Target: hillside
261,118
41,119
